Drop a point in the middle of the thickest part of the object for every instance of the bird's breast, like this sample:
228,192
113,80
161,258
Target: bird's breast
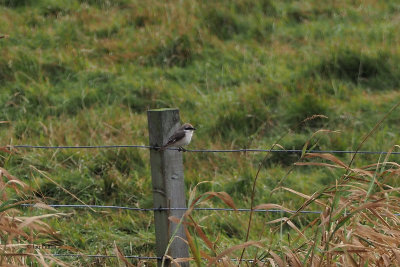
188,137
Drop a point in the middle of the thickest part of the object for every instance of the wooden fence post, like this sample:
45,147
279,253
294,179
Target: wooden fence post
168,184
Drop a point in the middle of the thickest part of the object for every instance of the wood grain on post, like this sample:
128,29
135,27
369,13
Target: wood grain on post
168,184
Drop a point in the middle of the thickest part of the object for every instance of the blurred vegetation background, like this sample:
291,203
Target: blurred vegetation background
244,72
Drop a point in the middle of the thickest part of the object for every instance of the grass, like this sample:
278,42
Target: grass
244,72
26,240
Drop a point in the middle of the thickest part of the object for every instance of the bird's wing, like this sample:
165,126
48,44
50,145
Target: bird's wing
175,137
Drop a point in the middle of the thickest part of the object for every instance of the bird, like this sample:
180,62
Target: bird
181,137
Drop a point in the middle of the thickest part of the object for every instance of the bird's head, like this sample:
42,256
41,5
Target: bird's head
188,127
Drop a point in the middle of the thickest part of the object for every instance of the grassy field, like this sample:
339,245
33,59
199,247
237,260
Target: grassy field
245,73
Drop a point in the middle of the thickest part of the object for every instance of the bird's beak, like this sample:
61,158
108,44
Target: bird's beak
194,129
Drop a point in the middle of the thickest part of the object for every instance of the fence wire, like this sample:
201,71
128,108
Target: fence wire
127,257
242,150
104,256
163,209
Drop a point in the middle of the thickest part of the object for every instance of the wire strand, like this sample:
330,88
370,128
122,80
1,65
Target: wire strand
162,209
127,256
243,150
81,147
104,256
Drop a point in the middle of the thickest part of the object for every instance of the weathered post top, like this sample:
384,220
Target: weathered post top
162,122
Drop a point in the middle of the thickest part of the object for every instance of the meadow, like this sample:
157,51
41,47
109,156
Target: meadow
244,73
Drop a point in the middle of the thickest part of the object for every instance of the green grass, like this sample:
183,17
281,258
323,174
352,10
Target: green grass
243,72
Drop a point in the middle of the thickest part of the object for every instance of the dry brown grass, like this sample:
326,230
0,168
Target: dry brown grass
358,226
23,239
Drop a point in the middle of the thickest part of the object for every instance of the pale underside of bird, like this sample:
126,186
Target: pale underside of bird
181,137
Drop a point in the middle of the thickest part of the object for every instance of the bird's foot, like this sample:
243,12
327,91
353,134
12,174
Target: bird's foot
156,147
181,149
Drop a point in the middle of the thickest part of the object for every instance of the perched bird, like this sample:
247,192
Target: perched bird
181,137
